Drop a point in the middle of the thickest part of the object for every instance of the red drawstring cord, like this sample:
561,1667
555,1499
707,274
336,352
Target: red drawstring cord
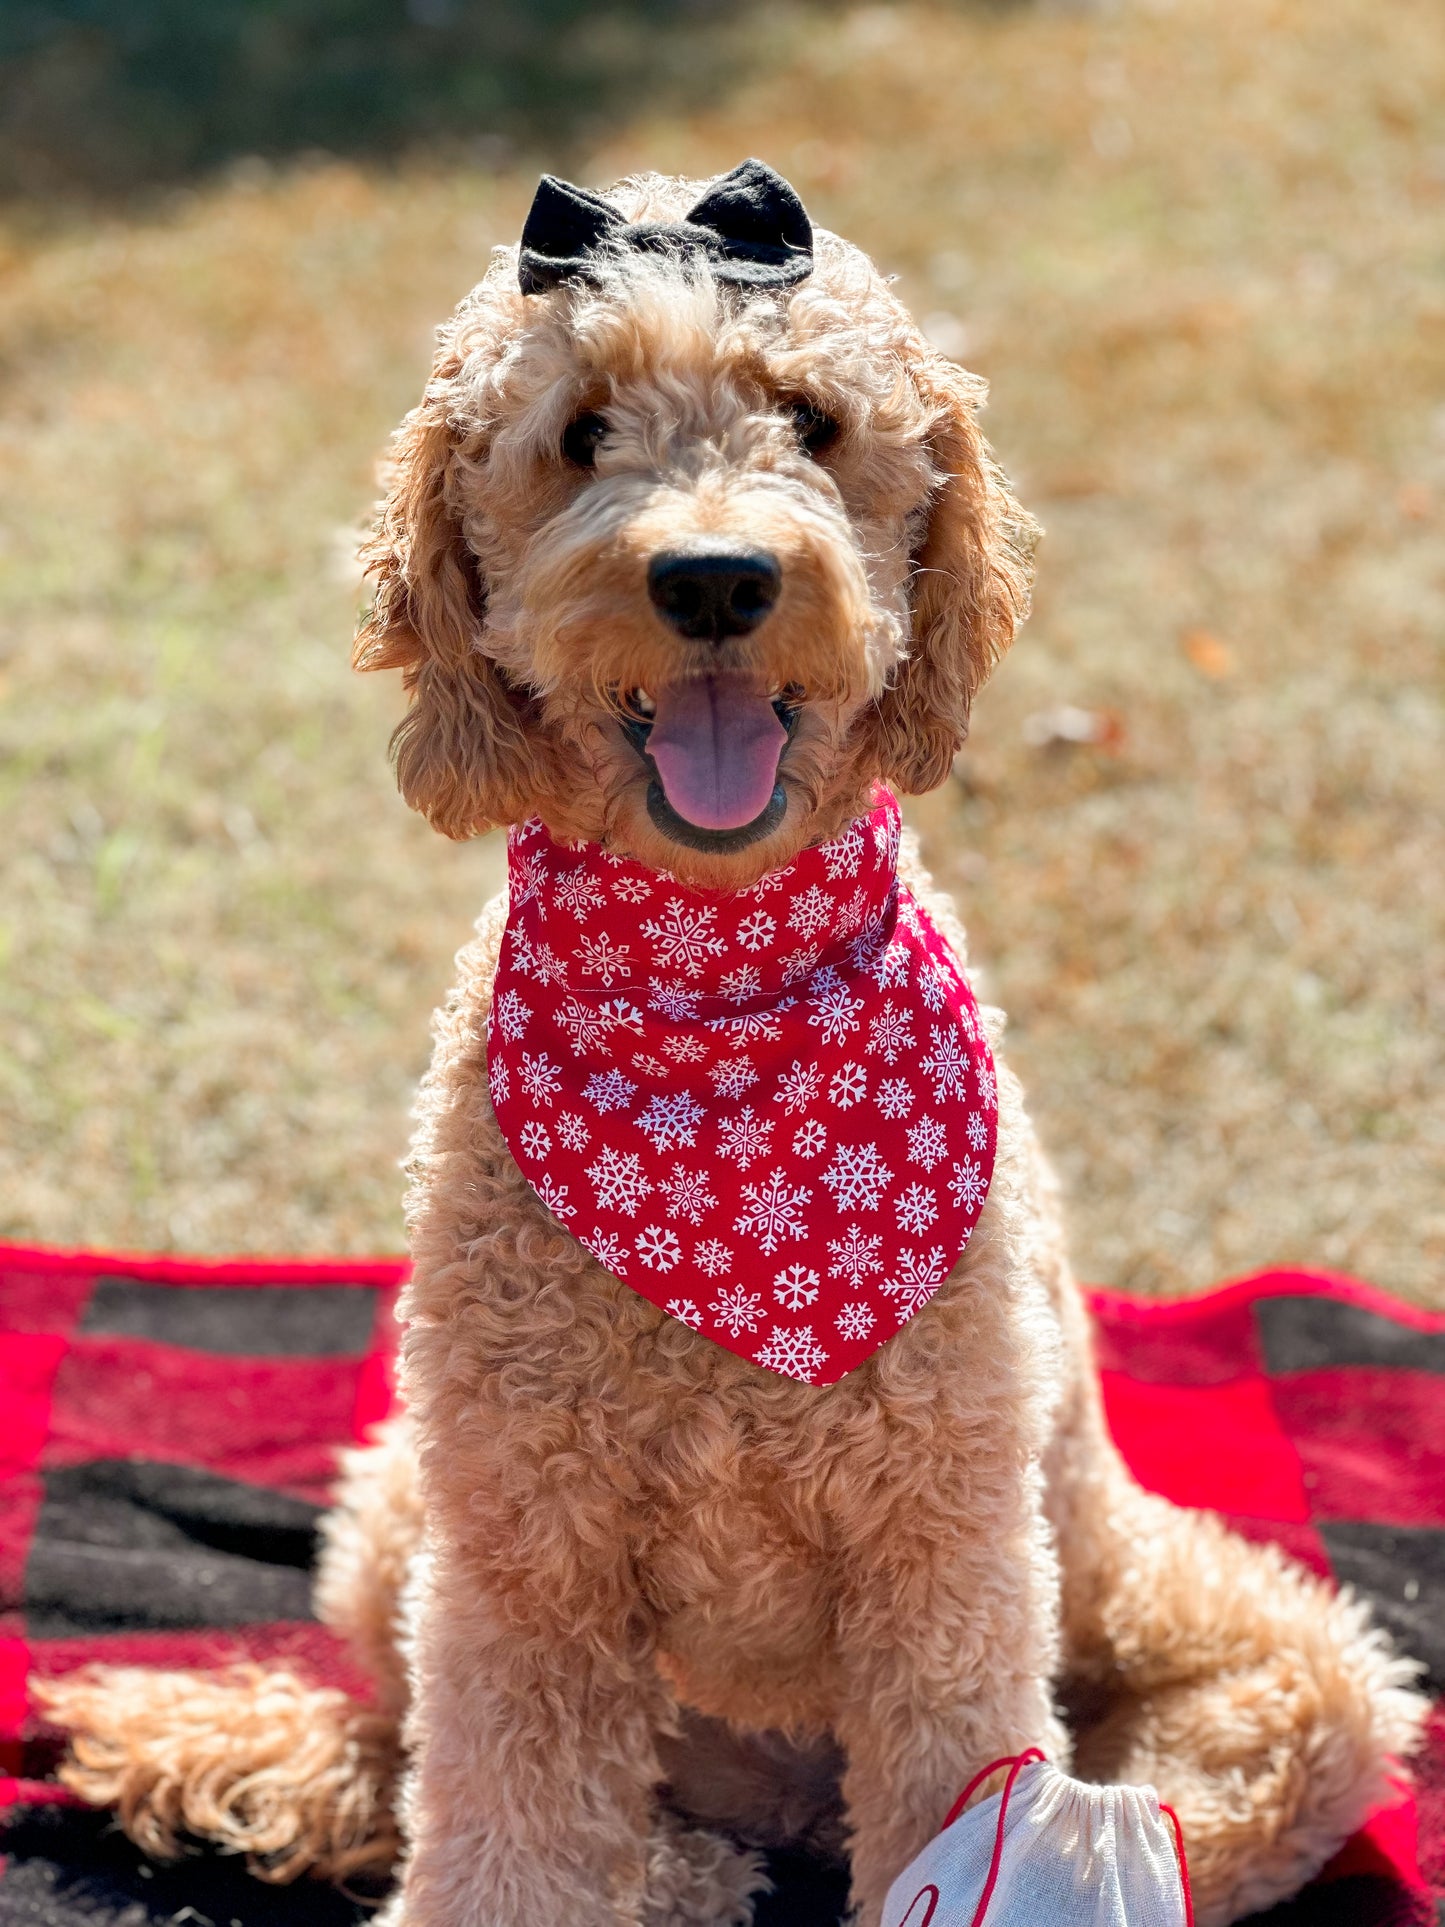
1183,1863
1011,1759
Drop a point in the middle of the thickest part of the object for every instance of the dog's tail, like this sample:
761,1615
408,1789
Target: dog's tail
299,1778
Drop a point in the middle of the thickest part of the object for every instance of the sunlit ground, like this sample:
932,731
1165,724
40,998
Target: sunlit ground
1197,251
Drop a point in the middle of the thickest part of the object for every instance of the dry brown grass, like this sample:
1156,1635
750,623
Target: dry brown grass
1196,249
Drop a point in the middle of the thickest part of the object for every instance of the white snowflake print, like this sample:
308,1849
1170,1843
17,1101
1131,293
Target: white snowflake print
810,1139
631,890
773,1211
968,1184
580,893
857,1177
765,885
894,1098
793,1351
511,1015
648,1065
917,1207
609,1090
547,966
755,930
572,1131
855,1256
977,1131
535,1139
687,1194
606,1247
499,1080
835,1012
527,882
658,1248
622,1014
891,970
890,1033
851,916
603,959
854,1322
670,1118
751,1026
587,1026
541,1078
932,988
743,1137
683,939
848,1086
684,1049
733,1077
946,1064
811,912
554,1196
916,1279
686,1312
844,855
619,1181
737,1310
740,984
712,1257
795,1287
675,1001
798,1087
987,1086
927,1142
800,964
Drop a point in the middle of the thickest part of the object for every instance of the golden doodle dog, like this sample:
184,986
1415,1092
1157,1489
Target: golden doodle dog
693,542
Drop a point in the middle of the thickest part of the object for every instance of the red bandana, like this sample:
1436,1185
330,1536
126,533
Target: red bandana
773,1112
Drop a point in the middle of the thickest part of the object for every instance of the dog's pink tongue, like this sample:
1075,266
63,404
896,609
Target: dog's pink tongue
716,748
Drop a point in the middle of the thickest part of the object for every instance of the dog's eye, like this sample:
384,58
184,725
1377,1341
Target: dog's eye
816,431
580,439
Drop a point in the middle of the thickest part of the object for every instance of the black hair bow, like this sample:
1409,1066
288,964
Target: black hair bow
750,227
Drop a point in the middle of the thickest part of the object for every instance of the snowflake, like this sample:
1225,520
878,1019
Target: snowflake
601,958
669,1120
752,1026
946,1064
579,893
917,1208
810,1139
607,1248
835,1012
811,912
535,1139
755,930
528,881
658,1248
675,1001
894,1098
685,1050
855,1256
547,966
927,1142
856,1177
886,838
798,1087
977,1131
712,1257
987,1086
541,1078
683,939
854,1322
512,1014
800,964
890,1033
737,1309
796,1287
687,1194
631,890
932,987
744,1136
773,1211
849,1083
686,1312
765,885
499,1079
740,984
793,1351
968,1184
609,1090
648,1065
619,1180
733,1077
587,1026
572,1130
918,1278
844,855
622,1014
554,1196
891,970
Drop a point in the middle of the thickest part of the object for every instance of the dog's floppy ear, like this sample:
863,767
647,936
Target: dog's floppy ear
467,750
971,574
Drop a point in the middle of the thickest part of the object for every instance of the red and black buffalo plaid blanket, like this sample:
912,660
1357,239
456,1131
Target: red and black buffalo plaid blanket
168,1431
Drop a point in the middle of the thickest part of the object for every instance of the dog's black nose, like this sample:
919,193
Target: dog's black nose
710,597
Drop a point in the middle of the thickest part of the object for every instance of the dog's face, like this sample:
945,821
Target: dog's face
683,568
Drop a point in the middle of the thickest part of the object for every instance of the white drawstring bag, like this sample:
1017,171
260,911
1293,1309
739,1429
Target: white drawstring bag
1048,1849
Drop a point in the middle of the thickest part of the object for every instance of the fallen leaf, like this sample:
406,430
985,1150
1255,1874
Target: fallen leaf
1210,656
1068,724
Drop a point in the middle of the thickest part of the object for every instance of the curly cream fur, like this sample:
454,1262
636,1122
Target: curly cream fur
597,1534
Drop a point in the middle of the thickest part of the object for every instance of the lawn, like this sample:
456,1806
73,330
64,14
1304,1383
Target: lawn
1196,249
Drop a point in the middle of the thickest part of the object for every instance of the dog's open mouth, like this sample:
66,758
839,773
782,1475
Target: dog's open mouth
713,744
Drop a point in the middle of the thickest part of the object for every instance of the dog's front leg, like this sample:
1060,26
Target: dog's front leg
947,1650
532,1735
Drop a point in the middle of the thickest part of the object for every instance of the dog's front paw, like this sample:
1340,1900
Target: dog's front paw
699,1879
